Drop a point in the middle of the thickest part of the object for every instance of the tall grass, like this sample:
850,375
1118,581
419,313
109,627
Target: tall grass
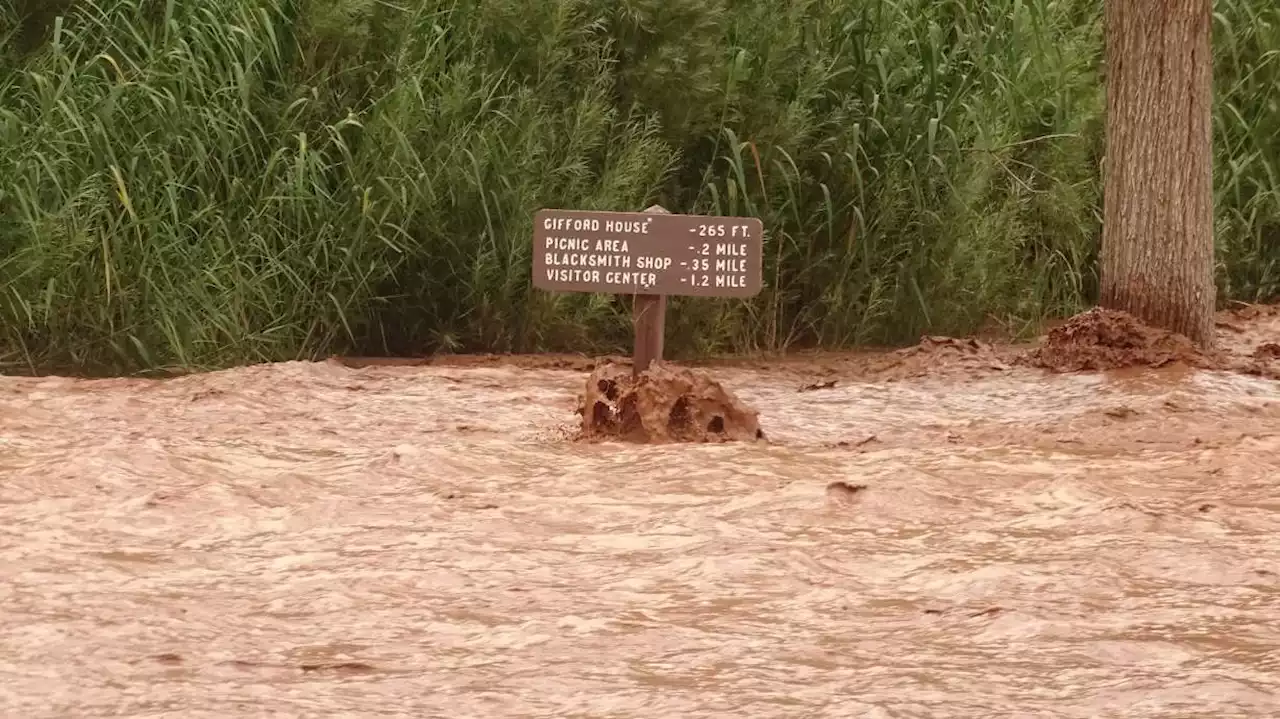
206,184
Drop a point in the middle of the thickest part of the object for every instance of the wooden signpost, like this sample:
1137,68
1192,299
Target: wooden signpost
648,255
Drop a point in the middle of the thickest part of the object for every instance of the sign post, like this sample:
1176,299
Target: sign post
649,317
648,255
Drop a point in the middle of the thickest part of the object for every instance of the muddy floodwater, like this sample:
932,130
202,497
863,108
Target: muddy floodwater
318,539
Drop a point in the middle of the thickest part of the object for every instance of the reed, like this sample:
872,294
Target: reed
197,185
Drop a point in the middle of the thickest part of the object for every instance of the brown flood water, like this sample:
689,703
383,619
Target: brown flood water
311,539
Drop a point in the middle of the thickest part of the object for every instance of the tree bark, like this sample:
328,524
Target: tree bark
1157,236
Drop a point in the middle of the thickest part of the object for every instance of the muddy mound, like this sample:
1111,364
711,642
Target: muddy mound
1102,339
1263,362
936,355
948,353
663,404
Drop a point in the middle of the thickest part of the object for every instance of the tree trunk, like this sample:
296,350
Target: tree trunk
1157,236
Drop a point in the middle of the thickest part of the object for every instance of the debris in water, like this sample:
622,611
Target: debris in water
860,443
843,492
337,667
1267,350
1121,412
664,404
829,384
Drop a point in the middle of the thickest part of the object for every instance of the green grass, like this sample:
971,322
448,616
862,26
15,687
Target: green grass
194,185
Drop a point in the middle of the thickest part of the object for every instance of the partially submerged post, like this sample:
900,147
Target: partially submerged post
649,317
648,255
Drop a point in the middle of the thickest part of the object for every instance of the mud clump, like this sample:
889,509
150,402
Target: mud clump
1267,351
1264,362
664,404
1102,339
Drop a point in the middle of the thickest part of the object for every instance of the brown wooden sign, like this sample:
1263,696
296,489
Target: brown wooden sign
647,253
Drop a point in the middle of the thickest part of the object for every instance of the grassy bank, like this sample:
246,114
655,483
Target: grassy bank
206,184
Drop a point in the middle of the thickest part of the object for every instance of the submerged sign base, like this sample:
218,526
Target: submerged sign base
644,253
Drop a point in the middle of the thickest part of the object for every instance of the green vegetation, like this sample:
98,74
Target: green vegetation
202,184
